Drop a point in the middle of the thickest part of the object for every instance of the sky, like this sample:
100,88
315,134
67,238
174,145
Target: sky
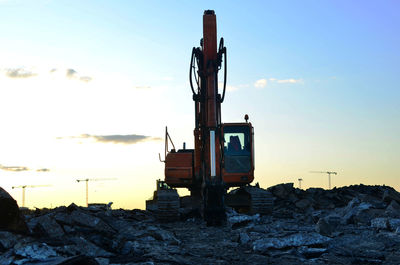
87,88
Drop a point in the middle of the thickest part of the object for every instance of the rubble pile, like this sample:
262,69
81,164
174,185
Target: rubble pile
350,225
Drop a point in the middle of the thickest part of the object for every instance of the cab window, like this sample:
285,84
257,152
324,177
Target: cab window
237,149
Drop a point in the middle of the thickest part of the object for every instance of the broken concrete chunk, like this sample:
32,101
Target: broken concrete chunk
244,238
294,240
393,209
11,218
85,247
394,223
45,225
86,220
36,251
130,247
303,204
310,252
323,227
282,190
241,220
379,223
391,195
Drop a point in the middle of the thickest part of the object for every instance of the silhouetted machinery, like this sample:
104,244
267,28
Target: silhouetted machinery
223,154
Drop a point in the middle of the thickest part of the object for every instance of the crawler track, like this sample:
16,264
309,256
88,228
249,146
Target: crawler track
167,209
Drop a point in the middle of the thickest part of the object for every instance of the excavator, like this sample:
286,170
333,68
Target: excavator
223,154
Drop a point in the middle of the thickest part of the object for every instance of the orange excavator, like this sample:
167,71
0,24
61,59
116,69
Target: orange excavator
223,154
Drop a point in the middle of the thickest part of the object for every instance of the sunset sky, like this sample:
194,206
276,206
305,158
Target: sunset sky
87,88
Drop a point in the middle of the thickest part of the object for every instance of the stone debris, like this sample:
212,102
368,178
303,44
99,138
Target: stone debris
350,225
379,223
10,216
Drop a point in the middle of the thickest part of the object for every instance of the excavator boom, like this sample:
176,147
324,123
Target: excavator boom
223,154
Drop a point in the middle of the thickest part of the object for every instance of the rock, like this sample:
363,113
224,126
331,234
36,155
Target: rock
45,225
379,223
282,190
163,235
393,209
294,240
130,247
7,258
86,220
303,204
244,238
391,195
394,223
85,247
354,225
8,240
36,252
80,260
362,246
309,252
102,261
359,213
241,220
323,227
11,219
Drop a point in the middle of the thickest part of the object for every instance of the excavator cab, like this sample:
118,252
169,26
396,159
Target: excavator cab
238,153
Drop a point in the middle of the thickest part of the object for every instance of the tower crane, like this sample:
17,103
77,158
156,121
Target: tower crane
23,187
87,185
300,180
329,175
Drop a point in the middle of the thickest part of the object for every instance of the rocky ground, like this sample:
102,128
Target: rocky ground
350,225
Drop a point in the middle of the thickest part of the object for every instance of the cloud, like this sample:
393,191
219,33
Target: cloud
14,168
85,78
19,73
116,138
42,170
22,72
263,82
73,74
289,81
260,83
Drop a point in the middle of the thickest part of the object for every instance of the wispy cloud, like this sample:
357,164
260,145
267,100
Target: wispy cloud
19,73
85,78
42,170
261,83
115,139
71,73
289,81
13,168
24,72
